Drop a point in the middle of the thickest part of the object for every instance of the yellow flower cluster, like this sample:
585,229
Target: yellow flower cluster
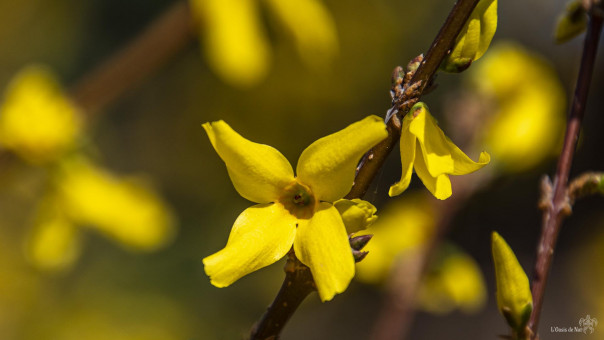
40,124
235,42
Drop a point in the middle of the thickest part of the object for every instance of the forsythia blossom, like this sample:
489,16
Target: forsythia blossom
37,121
235,42
291,210
425,148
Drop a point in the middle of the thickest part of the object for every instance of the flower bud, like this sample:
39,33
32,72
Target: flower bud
571,23
474,38
514,297
356,214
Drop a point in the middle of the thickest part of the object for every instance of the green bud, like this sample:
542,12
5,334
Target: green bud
356,214
571,23
514,297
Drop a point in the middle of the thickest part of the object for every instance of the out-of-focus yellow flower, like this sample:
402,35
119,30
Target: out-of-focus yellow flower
83,195
235,43
37,120
54,243
530,104
126,210
514,297
403,226
425,148
455,282
291,210
474,38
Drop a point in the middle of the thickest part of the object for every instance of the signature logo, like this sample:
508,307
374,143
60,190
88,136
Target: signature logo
588,324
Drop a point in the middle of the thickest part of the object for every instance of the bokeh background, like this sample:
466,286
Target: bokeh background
114,291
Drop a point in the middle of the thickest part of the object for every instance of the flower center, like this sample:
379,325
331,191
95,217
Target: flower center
298,200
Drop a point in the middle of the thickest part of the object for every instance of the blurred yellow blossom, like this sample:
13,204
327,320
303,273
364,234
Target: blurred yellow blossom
474,38
126,210
403,226
528,119
454,282
37,120
291,210
235,43
54,243
425,148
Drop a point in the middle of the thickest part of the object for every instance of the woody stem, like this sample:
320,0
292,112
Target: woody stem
266,328
557,204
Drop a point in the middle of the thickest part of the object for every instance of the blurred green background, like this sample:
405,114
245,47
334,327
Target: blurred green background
155,130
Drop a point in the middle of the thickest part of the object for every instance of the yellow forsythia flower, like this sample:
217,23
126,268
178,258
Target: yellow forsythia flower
454,282
425,148
127,211
37,120
514,297
528,119
291,210
474,38
356,214
235,42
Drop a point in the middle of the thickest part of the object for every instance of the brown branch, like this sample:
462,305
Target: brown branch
376,157
159,42
441,46
296,287
556,204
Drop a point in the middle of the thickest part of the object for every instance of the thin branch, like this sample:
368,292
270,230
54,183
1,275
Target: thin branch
441,46
376,157
157,44
556,205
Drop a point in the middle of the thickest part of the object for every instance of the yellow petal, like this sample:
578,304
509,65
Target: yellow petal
233,39
55,242
514,297
259,172
441,156
407,147
128,211
454,281
312,27
474,38
261,235
328,165
356,214
322,244
37,120
439,186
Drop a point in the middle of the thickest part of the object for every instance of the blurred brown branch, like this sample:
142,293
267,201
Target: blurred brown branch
555,202
159,42
155,46
376,157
